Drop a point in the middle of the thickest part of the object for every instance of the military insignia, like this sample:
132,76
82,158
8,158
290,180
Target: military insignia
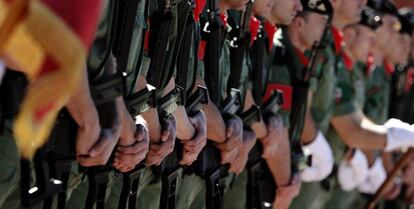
286,91
338,95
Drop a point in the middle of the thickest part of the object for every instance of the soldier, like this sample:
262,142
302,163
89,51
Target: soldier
289,65
162,130
356,172
321,106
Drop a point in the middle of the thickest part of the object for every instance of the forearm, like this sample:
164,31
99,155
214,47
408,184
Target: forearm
309,129
280,163
259,128
185,129
151,115
80,105
216,127
358,132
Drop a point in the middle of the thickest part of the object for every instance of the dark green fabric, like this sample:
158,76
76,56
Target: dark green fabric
285,73
378,95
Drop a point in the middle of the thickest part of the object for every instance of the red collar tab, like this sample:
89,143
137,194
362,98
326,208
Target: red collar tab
409,80
223,19
348,63
270,30
338,37
254,29
199,6
147,37
389,68
201,50
369,64
303,59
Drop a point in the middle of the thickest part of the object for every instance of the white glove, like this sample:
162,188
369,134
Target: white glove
376,176
353,173
399,135
322,159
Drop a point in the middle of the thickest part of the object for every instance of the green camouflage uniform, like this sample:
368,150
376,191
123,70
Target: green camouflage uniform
348,99
313,194
78,196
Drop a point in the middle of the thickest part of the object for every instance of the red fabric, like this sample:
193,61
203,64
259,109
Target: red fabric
389,68
338,39
369,64
348,63
223,19
286,91
146,41
270,30
201,50
254,29
303,59
80,15
409,80
199,6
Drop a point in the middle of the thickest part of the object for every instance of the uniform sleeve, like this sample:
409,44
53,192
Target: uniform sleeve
344,101
279,80
200,69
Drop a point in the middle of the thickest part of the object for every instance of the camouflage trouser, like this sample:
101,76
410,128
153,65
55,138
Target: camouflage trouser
79,189
340,199
308,195
200,200
9,170
235,196
190,186
10,173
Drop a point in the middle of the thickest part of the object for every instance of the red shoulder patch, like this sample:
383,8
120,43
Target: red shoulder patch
286,91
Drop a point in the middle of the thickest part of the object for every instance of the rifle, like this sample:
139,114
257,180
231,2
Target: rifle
197,100
406,158
260,181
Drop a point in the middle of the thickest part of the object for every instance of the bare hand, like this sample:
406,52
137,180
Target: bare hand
101,150
274,136
132,149
158,151
393,190
408,179
285,194
234,137
194,146
238,165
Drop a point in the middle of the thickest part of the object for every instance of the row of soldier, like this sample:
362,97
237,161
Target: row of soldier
226,104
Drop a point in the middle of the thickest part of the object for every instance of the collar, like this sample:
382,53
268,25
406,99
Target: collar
223,18
270,30
338,37
369,64
389,68
303,59
254,29
348,63
409,79
199,6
